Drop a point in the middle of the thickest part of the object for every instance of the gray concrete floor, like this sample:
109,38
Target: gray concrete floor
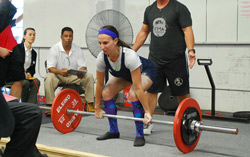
160,143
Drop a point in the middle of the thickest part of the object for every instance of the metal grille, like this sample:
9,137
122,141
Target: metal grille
107,17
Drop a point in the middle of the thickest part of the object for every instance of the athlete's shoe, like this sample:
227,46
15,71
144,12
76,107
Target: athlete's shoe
148,129
108,135
139,141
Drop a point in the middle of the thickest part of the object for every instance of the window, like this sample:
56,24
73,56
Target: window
18,29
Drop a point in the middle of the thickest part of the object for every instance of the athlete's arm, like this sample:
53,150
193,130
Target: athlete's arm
137,87
98,93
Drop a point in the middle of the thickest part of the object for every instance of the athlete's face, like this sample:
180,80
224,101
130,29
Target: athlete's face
107,43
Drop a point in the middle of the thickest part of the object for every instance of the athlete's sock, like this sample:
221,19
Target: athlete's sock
110,108
138,112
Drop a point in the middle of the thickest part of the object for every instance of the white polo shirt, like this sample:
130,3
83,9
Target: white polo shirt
58,58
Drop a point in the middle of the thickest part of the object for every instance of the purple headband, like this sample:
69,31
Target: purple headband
108,32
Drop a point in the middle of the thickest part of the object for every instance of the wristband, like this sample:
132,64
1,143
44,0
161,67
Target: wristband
191,50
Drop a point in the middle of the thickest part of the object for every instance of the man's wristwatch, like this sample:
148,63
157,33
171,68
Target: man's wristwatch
191,50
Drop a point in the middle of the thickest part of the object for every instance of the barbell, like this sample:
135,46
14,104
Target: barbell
67,111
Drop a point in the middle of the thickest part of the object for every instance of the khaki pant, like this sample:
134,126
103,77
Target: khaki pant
52,81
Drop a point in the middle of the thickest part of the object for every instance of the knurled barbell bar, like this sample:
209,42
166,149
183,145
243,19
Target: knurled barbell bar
194,125
67,111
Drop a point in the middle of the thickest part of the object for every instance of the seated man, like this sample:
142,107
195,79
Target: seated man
63,56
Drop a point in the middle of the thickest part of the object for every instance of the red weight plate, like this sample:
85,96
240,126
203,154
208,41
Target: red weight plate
63,122
183,106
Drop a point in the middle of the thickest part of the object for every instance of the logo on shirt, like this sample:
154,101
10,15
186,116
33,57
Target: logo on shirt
159,27
178,81
116,68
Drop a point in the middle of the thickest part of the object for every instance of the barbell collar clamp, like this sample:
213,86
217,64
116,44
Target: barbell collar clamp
199,127
195,126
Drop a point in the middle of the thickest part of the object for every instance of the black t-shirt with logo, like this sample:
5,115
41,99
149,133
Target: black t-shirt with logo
167,38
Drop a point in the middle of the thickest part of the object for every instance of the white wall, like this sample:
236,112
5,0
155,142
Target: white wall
49,17
231,75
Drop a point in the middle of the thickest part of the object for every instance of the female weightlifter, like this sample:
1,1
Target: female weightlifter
126,69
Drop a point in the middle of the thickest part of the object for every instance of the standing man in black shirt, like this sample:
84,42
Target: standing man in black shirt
170,24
